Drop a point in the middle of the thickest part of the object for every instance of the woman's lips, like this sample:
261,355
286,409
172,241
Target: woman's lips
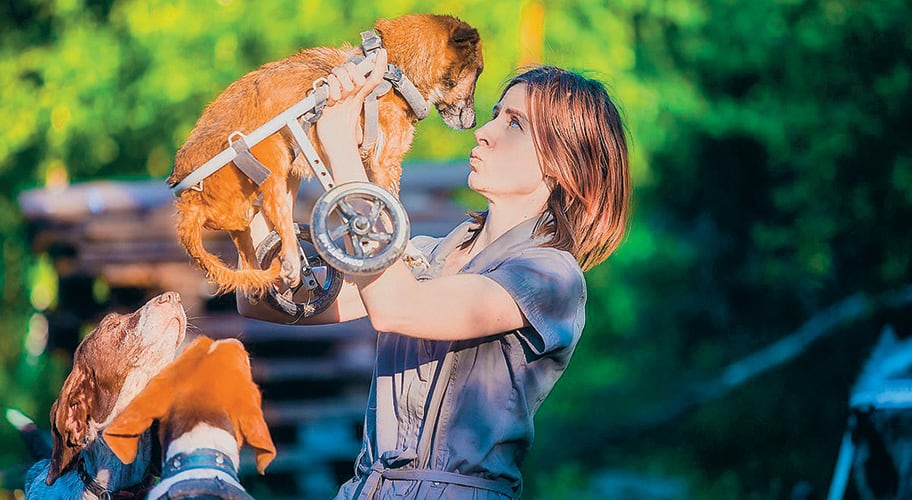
474,159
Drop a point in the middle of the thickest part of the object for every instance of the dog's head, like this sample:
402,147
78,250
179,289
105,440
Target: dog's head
442,56
110,366
210,382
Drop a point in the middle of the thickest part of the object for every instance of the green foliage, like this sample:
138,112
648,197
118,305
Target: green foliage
773,177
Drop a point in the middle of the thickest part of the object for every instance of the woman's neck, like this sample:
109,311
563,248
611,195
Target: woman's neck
501,219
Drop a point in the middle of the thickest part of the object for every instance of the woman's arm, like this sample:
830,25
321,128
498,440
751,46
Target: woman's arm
455,307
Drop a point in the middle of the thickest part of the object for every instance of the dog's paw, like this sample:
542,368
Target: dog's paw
414,258
291,271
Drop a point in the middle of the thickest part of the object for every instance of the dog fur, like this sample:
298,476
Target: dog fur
206,398
110,367
440,54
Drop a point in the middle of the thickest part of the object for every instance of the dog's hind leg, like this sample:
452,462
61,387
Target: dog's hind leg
278,204
244,243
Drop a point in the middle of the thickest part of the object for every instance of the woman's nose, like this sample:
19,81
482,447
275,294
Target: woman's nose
482,137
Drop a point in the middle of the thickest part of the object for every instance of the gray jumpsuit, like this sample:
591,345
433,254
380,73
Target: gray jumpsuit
453,419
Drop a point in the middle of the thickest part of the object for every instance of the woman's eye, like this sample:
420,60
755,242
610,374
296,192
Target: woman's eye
515,123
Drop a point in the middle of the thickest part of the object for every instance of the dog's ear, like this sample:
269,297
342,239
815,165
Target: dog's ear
152,403
465,36
123,434
251,425
255,430
70,420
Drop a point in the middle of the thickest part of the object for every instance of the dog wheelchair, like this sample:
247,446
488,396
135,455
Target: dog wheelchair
357,227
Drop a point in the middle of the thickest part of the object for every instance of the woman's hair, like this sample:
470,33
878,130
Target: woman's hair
581,144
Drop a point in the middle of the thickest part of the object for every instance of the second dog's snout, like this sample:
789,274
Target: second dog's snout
168,297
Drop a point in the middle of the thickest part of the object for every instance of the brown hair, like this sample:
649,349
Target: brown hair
581,142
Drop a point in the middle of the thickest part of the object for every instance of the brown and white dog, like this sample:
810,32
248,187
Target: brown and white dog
110,367
207,406
441,55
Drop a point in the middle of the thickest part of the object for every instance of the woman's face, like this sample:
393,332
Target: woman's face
504,163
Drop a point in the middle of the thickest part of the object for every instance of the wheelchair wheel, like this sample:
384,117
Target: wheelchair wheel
320,283
359,228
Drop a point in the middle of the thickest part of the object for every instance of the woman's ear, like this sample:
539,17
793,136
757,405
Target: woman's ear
70,420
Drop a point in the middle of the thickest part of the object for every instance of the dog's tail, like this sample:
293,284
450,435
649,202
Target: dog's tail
253,282
37,442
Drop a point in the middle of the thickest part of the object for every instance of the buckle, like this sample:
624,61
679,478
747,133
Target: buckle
370,42
393,73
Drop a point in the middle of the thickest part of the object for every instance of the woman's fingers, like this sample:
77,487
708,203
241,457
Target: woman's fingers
376,75
335,89
344,75
346,81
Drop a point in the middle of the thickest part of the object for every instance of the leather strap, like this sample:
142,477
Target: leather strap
135,491
246,162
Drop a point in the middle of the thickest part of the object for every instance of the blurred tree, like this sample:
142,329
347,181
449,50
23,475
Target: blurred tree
776,184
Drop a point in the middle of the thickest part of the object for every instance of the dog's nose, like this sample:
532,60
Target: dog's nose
169,297
467,117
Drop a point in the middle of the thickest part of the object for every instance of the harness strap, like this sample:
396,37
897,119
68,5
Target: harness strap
245,161
408,91
136,491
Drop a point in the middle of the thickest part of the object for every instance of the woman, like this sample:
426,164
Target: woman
471,344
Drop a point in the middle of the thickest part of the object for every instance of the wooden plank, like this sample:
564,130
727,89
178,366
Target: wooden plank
324,368
299,412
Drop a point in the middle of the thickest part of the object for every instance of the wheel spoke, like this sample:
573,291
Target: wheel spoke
381,237
356,245
347,210
338,232
376,207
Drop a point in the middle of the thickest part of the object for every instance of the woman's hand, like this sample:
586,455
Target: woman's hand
339,128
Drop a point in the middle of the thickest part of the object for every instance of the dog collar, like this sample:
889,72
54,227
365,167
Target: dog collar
204,488
204,458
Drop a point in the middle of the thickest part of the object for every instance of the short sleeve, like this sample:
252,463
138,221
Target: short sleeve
550,289
425,244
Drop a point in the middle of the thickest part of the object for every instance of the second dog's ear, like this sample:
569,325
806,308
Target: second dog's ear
70,420
255,430
250,424
465,36
123,434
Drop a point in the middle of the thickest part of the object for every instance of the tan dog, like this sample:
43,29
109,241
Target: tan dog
441,55
207,405
110,368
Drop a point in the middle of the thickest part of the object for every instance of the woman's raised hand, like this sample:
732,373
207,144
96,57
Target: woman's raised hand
339,128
